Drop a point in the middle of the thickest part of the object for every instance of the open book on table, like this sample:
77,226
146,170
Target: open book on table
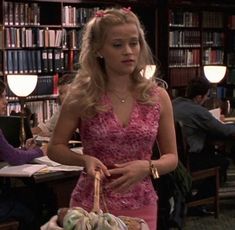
25,170
38,165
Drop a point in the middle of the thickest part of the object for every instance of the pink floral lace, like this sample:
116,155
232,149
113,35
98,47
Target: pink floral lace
105,138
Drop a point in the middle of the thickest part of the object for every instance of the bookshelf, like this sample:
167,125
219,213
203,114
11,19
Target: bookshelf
43,37
197,34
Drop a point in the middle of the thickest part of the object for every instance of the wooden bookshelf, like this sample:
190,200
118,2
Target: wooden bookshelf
44,37
197,34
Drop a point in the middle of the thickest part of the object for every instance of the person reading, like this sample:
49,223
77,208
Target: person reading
10,207
46,128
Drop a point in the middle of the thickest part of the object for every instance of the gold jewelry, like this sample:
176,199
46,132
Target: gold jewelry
153,170
121,99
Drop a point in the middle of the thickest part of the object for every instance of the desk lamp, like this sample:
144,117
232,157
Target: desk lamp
214,74
22,86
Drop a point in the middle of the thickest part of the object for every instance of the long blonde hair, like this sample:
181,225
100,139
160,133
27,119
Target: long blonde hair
91,80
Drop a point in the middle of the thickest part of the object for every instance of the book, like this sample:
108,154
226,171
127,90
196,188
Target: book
25,170
44,61
45,160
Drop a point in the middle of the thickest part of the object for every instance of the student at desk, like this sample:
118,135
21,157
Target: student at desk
9,206
45,129
200,125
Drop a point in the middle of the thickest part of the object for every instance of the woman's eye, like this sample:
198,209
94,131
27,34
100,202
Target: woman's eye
117,45
134,43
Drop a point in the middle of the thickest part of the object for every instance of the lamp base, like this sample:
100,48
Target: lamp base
22,136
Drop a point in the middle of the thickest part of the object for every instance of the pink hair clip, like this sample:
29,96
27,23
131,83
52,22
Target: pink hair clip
99,14
127,10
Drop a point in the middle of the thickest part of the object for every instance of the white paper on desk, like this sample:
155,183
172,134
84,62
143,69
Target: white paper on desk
216,113
78,150
46,161
66,168
25,170
42,139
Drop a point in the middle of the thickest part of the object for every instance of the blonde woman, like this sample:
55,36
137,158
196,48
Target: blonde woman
120,115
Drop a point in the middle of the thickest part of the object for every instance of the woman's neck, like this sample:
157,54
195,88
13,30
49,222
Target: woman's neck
119,85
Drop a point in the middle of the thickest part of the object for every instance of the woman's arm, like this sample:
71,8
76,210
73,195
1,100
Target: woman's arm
16,156
166,136
58,149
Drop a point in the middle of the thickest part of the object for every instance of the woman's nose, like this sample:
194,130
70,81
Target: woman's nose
128,49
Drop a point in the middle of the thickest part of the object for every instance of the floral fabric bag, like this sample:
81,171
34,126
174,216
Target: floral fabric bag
77,218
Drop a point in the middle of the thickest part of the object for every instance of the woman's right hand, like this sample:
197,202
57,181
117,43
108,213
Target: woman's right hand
44,149
92,164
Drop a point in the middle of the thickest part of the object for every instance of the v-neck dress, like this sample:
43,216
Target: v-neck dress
104,137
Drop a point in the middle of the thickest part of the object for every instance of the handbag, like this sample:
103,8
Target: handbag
77,218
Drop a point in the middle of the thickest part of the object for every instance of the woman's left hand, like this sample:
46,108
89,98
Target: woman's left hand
51,224
128,174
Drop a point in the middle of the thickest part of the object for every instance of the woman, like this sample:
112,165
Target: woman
8,153
119,114
10,206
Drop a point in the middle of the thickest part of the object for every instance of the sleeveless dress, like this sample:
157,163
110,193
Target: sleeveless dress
105,138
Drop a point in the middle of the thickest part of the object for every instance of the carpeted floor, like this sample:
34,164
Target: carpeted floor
226,220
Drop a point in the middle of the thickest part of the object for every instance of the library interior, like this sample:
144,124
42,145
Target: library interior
40,44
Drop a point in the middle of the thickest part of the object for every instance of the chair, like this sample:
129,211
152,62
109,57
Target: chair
9,225
197,176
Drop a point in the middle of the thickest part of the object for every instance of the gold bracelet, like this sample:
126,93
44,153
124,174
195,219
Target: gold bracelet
153,170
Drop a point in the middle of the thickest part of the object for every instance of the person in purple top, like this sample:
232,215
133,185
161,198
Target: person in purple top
8,153
12,207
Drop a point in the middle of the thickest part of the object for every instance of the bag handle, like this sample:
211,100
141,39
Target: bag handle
96,205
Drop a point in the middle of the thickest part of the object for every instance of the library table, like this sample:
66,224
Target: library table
59,183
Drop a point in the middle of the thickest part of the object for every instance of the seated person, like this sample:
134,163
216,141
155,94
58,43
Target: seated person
200,126
9,206
45,129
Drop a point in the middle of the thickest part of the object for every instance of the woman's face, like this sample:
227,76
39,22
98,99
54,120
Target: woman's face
121,49
3,103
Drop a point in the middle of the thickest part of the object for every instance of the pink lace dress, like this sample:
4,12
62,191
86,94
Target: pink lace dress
105,138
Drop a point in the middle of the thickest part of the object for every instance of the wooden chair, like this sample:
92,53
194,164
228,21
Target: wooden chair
9,225
197,176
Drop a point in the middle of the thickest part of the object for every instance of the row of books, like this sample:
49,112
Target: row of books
72,38
213,38
39,61
184,38
181,76
184,57
213,56
18,13
35,37
32,37
183,19
73,16
210,19
192,38
44,109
